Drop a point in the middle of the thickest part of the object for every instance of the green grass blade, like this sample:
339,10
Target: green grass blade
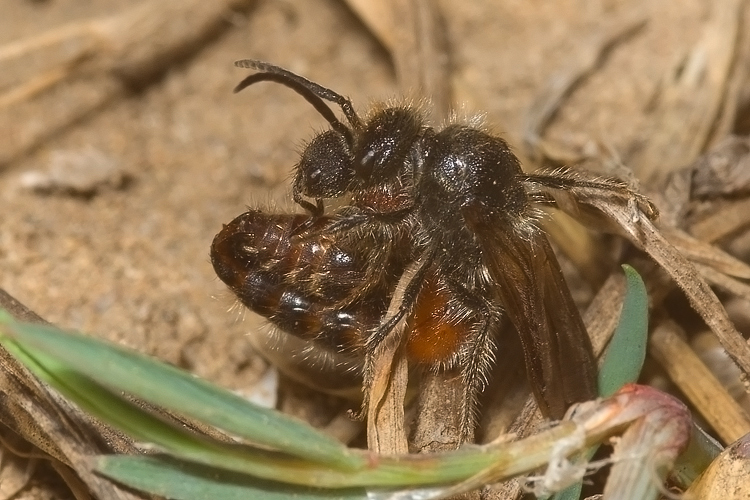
627,350
702,450
103,404
572,492
180,480
48,354
124,370
625,354
144,426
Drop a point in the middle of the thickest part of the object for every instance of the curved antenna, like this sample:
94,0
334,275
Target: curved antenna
313,99
302,86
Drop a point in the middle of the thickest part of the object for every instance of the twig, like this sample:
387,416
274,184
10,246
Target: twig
697,382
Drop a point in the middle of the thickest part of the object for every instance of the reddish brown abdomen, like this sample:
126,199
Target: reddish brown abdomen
296,281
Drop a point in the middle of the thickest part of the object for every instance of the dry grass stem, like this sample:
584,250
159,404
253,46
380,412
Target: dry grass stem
725,221
642,232
386,377
697,382
377,16
414,33
705,254
650,83
737,85
724,282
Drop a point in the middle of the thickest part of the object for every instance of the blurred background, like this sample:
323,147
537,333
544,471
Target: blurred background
123,149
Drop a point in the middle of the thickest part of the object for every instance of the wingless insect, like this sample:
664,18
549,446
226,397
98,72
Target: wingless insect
453,201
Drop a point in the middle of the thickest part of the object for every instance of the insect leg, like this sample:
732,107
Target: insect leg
405,296
409,297
477,354
352,218
580,185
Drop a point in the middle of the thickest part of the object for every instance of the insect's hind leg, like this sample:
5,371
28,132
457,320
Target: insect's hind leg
476,359
546,185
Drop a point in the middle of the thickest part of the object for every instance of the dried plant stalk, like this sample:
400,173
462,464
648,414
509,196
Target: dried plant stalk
377,15
413,32
697,382
725,221
707,255
737,81
385,380
630,215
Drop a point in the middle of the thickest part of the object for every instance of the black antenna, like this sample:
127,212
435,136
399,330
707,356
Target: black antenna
302,86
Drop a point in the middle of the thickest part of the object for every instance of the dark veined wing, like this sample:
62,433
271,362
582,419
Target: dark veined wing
531,288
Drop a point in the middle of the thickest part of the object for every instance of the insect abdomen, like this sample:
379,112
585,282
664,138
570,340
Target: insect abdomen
295,281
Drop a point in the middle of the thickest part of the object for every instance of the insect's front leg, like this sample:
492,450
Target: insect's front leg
316,210
353,218
600,203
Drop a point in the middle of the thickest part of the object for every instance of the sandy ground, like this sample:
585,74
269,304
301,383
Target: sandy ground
130,261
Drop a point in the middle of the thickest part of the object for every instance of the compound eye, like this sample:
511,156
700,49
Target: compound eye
325,169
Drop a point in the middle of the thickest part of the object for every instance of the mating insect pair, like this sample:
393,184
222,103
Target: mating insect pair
451,206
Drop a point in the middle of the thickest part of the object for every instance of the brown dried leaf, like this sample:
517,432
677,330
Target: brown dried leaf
51,424
706,255
413,31
16,469
704,185
727,219
702,298
726,477
632,214
707,347
386,431
726,283
377,15
737,86
438,423
385,381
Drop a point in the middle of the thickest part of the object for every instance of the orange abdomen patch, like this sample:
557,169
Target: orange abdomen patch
434,335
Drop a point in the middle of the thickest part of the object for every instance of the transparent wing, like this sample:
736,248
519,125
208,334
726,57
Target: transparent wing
531,288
